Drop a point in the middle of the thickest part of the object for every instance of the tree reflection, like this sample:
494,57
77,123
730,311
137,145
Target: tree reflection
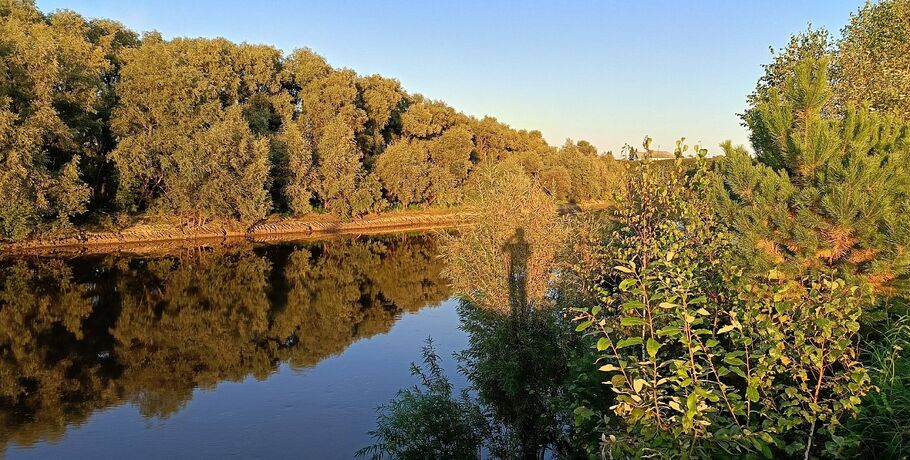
84,334
517,365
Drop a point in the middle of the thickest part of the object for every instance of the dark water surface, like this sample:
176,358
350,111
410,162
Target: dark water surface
248,351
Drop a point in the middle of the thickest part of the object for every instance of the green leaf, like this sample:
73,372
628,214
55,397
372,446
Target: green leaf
752,393
652,347
725,329
596,310
583,412
618,380
584,325
733,361
626,283
629,342
603,343
622,269
762,447
631,321
633,304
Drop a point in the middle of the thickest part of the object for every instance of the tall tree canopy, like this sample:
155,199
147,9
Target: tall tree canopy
50,81
181,103
873,57
870,62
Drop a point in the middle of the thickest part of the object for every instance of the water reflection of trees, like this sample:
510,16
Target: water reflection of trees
518,364
83,334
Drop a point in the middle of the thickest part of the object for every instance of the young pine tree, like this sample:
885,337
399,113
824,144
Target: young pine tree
824,192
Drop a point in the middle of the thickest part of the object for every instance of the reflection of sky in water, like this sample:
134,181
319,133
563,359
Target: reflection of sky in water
321,412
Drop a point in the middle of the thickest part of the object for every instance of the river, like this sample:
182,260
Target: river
245,351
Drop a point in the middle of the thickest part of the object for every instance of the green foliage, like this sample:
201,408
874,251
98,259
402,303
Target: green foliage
96,120
428,421
430,162
811,44
703,360
343,185
511,209
49,90
293,169
883,423
517,363
872,63
592,177
186,144
384,101
824,191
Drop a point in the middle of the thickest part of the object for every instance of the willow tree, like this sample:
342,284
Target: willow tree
330,121
873,57
383,100
343,185
825,191
591,175
430,162
49,85
179,122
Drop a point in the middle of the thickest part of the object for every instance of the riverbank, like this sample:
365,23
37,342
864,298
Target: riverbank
146,234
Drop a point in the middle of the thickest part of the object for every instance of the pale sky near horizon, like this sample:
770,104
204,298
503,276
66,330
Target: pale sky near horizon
609,72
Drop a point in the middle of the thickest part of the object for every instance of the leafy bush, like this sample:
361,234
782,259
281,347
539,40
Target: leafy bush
428,421
704,359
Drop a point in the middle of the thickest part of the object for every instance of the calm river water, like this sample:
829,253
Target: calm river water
250,351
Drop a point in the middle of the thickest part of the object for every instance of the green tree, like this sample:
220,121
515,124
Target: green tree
49,87
811,44
705,359
430,162
221,174
344,187
824,191
179,122
872,64
869,62
384,101
293,170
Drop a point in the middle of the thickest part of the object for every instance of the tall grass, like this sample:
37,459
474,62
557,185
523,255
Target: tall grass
882,426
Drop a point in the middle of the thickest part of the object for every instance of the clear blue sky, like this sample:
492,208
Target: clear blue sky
606,71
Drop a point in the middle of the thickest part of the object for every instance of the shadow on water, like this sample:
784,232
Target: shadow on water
84,334
517,404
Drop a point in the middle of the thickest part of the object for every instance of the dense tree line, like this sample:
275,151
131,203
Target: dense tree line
96,120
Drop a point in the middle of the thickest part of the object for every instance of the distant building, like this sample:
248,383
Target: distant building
658,155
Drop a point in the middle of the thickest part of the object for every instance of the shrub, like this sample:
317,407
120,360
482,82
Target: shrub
703,360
